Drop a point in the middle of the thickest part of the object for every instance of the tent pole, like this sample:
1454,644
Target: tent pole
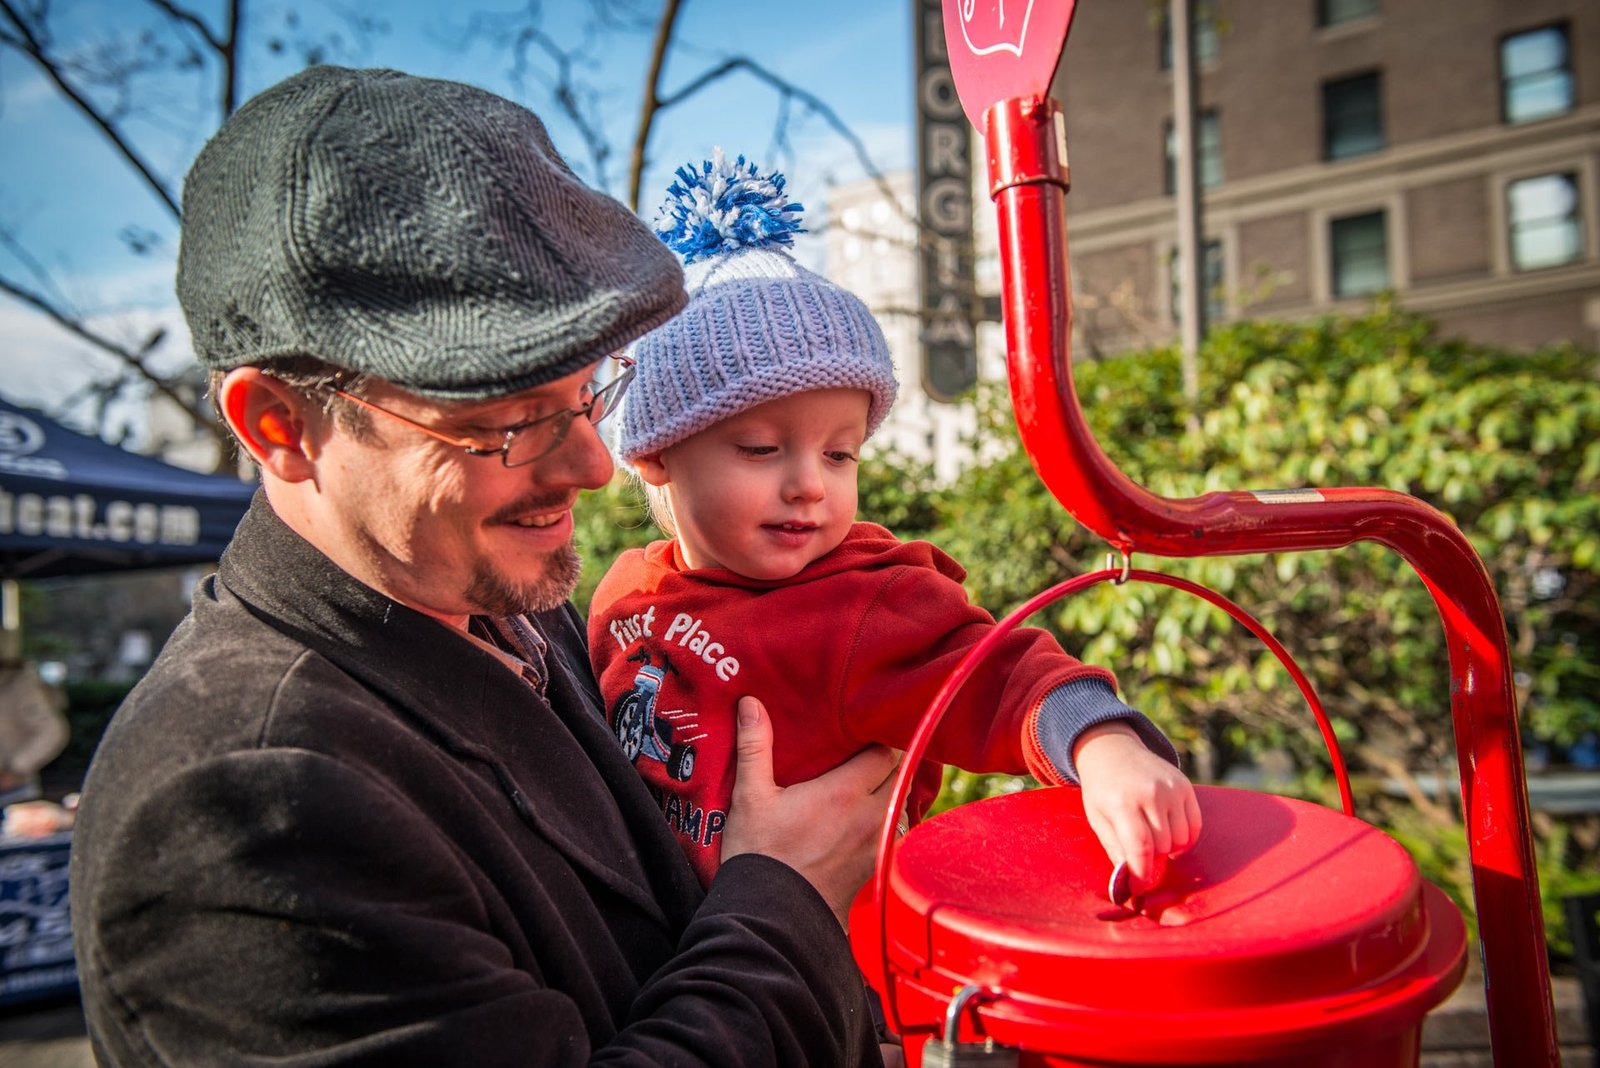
10,621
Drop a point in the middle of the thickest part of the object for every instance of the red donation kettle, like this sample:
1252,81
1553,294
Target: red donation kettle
1290,935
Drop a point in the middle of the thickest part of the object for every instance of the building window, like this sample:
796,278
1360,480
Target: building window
1208,131
1352,116
1216,295
1360,254
1543,216
1536,74
1333,12
1203,20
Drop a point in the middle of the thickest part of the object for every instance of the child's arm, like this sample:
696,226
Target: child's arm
1140,805
915,627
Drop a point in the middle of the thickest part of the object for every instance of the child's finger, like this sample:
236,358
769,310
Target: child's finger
1185,825
1106,834
1133,834
1179,837
1160,823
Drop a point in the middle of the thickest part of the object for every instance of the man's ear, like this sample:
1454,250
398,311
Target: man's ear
269,418
652,469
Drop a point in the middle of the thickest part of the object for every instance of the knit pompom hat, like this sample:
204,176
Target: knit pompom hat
758,325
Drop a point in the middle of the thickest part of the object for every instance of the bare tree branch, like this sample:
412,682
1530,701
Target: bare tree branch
226,46
812,103
1397,769
572,97
28,43
26,27
130,359
568,95
229,51
652,100
9,241
193,21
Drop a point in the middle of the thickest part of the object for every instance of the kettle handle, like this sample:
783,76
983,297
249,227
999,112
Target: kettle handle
941,703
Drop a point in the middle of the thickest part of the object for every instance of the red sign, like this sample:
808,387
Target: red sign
1000,49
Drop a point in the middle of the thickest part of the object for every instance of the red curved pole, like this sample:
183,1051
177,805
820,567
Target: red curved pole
1028,181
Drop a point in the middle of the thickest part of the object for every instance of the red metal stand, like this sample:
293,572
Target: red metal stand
1028,181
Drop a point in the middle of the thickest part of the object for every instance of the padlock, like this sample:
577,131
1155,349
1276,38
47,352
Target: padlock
948,1052
939,1053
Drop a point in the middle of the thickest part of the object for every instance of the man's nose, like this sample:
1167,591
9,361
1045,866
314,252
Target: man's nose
581,459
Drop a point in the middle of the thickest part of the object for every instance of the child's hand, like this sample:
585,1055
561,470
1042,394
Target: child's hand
1140,806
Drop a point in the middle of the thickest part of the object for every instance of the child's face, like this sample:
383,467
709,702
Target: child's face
768,491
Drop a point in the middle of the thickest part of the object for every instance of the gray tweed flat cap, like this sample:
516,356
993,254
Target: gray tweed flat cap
426,232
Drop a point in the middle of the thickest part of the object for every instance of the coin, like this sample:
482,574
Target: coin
1120,889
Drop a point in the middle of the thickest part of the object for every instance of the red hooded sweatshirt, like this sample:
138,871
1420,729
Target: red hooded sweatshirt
848,652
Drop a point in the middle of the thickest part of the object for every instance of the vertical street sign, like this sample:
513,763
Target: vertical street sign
944,209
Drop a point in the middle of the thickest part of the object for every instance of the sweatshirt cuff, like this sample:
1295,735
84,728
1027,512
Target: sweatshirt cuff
1073,707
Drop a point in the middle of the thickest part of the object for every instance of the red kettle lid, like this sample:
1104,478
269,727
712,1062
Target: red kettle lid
1286,923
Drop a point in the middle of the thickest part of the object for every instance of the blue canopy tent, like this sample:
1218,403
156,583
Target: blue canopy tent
71,504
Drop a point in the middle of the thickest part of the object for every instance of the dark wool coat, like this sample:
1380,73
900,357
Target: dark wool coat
326,829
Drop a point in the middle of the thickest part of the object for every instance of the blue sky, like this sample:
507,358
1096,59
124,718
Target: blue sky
66,199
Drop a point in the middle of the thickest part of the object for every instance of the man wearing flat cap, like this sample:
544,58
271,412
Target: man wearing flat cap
365,809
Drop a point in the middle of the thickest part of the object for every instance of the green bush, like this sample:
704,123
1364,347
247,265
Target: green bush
607,522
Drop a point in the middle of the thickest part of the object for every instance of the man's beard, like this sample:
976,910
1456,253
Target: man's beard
493,594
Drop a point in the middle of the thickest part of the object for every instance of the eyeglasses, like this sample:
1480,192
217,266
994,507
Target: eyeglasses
526,442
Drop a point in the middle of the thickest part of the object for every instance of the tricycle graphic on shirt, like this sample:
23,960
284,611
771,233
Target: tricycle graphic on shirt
640,730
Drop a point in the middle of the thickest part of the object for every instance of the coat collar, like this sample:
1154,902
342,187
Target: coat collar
543,752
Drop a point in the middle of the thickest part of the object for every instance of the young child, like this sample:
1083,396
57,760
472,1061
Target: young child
745,420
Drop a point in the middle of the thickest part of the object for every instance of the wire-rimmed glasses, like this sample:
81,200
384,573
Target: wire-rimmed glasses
526,442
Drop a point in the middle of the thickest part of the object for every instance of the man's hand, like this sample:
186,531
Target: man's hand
1142,808
826,829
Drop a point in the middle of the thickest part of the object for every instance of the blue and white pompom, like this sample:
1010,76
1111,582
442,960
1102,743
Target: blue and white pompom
718,207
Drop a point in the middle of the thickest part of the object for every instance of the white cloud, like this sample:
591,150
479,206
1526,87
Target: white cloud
45,365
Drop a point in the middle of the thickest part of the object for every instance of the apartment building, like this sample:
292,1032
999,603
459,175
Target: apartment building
1445,150
871,250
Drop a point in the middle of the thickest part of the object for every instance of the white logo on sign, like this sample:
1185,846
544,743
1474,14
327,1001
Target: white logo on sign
1014,47
19,435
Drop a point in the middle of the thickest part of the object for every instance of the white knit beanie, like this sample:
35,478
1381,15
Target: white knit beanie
758,325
